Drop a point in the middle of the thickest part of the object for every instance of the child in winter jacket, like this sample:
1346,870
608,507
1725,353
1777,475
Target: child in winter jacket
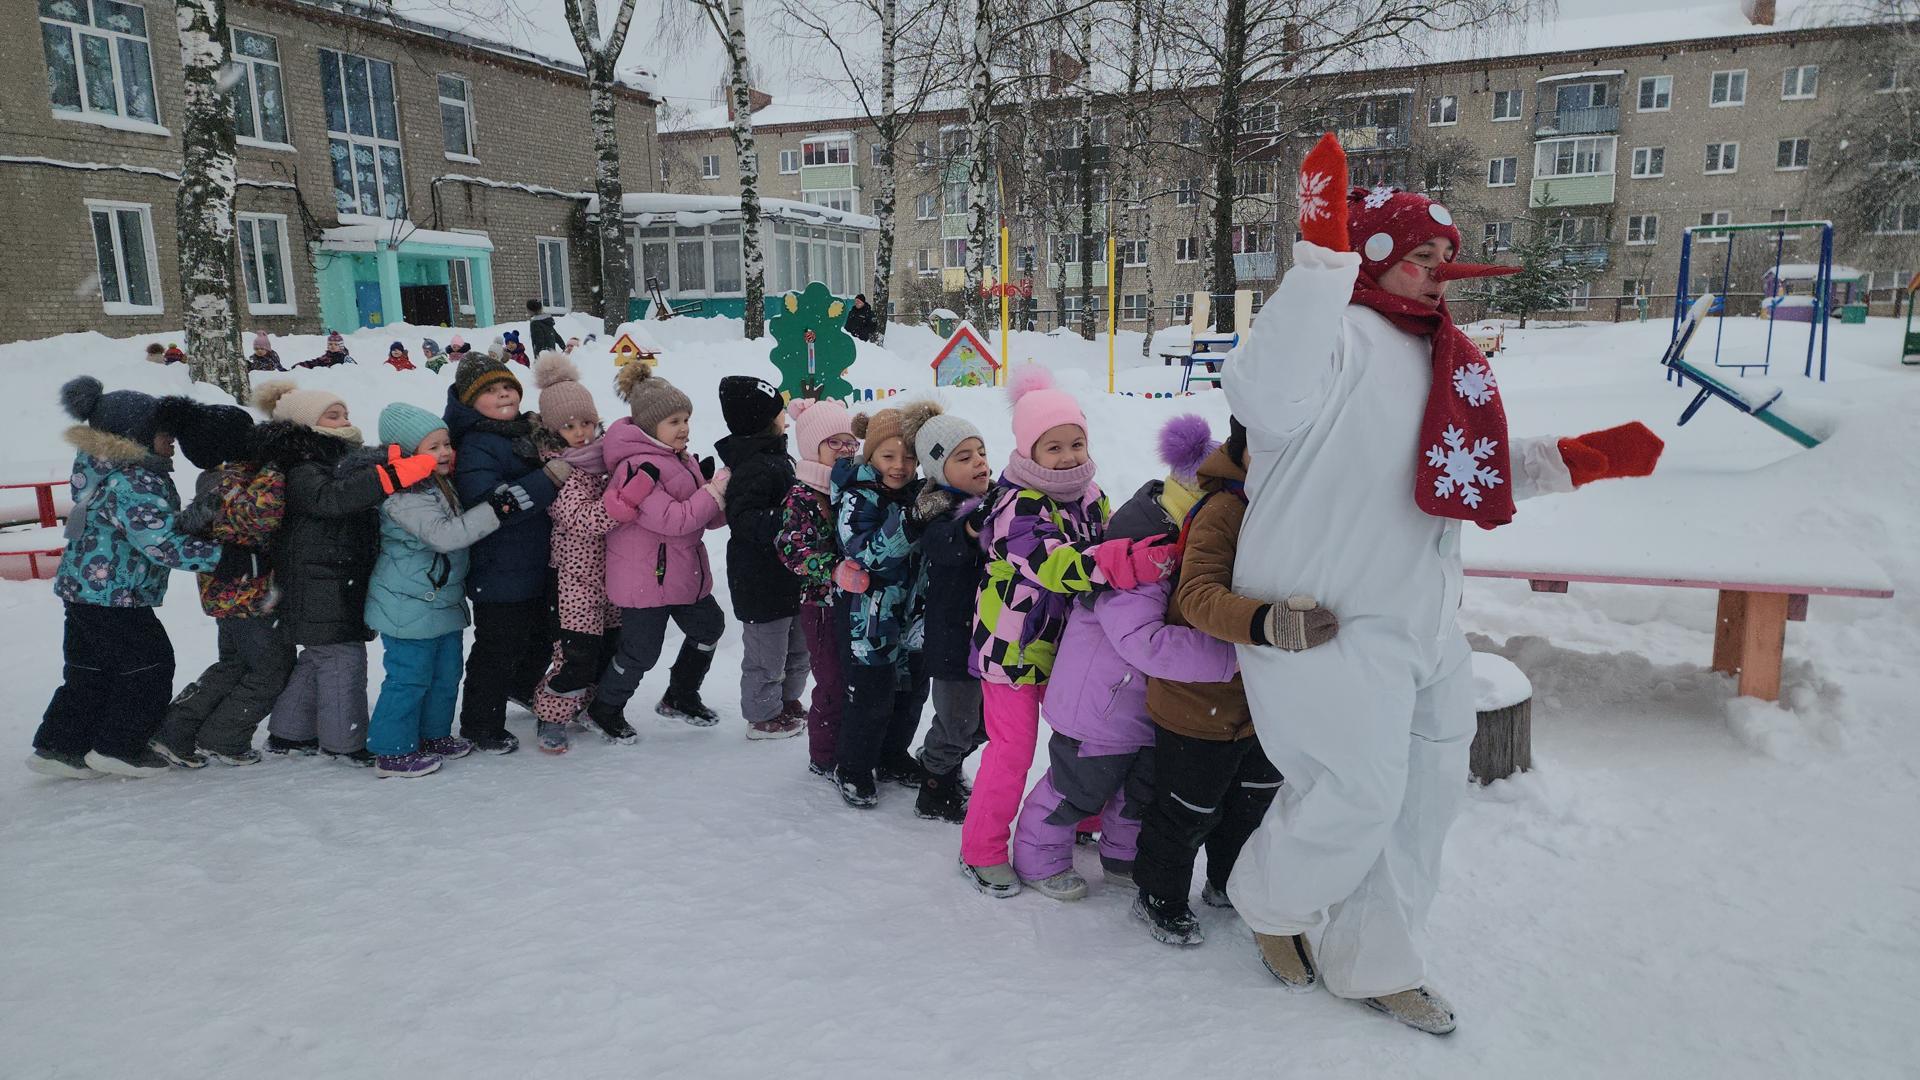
508,581
335,353
122,540
417,599
322,557
1043,537
883,611
766,597
953,455
1096,701
656,563
263,357
397,357
239,503
589,622
823,433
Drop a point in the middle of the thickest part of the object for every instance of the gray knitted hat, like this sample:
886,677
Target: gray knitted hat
651,397
934,433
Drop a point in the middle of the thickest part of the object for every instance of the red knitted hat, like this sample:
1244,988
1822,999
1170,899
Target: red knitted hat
1383,224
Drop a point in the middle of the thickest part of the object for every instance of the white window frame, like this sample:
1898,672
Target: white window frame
709,166
1133,307
1181,307
556,302
1609,143
257,272
247,90
951,257
1662,88
118,118
1506,168
830,149
1516,102
1803,150
1801,83
663,168
374,142
1902,226
789,162
1729,101
1500,232
1186,192
1646,226
111,208
1643,156
927,262
460,284
1186,249
465,105
1443,106
876,154
1131,252
1718,217
1579,296
846,199
1894,80
1725,162
926,206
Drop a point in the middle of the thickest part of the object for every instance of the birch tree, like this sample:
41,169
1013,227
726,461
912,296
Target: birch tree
599,57
204,204
728,20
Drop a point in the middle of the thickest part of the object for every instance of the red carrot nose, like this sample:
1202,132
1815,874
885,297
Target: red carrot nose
1457,271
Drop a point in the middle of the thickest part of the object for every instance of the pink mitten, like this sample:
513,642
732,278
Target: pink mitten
851,577
1114,562
1152,562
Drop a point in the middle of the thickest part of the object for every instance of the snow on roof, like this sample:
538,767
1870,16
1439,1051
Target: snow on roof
662,208
1809,271
1565,75
1374,93
372,236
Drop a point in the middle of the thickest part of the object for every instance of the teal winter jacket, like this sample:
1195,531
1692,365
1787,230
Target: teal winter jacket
418,588
123,540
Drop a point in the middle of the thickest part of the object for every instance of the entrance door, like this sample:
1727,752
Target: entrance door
426,305
366,297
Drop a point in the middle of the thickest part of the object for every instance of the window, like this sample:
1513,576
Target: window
1579,296
1182,307
954,141
1442,111
1131,252
129,267
1643,228
1791,154
1723,157
1800,83
1568,97
953,251
953,194
873,207
690,260
922,153
832,198
1253,237
709,166
925,207
789,162
1261,117
1439,175
1894,78
663,170
1186,249
1502,171
456,117
1729,88
98,62
1715,217
266,264
925,263
1133,307
1506,105
460,284
725,259
837,151
1574,157
1633,287
877,154
1253,180
1656,93
1184,193
1192,131
551,253
259,106
1649,161
363,135
1498,236
1577,230
1901,218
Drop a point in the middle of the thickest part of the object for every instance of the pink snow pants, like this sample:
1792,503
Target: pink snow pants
1012,715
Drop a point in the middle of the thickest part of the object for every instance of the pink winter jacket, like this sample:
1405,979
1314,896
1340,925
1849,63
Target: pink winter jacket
657,559
582,518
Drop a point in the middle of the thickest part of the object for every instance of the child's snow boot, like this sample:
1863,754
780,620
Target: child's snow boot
686,705
447,747
1288,959
504,743
612,724
139,763
906,771
1118,872
682,698
1215,897
793,710
418,763
553,738
1418,1008
280,747
249,756
780,727
856,789
998,881
359,759
1065,885
191,759
64,766
1168,920
941,799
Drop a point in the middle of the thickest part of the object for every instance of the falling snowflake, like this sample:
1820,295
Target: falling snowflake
1475,383
1461,468
1378,197
1312,193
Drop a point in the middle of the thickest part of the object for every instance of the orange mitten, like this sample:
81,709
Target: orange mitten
399,472
1322,193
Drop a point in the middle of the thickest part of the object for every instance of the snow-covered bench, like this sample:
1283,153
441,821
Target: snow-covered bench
31,553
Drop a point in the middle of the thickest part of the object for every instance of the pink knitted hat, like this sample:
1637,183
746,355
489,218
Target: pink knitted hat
1039,406
814,422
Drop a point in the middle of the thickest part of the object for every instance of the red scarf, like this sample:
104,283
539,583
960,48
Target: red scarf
1463,471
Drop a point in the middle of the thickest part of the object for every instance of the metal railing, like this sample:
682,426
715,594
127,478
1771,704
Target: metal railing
1593,120
1361,140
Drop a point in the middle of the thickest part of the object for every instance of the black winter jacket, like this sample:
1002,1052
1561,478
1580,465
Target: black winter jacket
324,551
954,563
509,566
860,323
763,590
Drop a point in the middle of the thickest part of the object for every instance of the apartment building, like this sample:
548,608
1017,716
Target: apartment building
388,170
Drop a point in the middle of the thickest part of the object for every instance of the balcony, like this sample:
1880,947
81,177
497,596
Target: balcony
1561,191
1590,255
1071,278
1066,159
829,177
1592,120
1254,265
1365,140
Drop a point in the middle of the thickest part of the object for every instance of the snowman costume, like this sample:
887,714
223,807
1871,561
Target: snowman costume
1372,729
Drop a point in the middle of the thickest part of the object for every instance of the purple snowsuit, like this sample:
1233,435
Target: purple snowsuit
1096,704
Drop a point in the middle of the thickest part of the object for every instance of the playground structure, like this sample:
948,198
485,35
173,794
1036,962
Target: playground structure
1818,305
1910,348
1756,397
1790,306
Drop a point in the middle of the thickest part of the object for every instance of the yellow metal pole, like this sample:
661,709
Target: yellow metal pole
1005,267
1110,299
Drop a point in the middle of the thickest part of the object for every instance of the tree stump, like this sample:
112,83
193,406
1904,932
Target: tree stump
1503,704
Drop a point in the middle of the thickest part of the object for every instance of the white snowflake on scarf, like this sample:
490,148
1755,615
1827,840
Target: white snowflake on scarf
1378,197
1461,471
1475,383
1312,195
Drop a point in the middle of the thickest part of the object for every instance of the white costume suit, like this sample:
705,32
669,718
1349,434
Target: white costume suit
1371,730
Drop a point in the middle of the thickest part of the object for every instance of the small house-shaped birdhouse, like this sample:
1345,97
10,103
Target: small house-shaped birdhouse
965,360
626,352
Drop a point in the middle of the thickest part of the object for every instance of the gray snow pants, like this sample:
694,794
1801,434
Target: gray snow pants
774,669
325,698
958,726
220,710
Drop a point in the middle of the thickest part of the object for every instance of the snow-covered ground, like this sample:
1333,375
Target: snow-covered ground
1687,886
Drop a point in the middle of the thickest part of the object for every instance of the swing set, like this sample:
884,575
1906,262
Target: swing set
1720,291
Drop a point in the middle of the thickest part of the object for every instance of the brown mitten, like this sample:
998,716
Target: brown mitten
1296,624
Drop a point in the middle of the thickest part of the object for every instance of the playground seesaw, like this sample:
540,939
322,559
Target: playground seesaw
1757,398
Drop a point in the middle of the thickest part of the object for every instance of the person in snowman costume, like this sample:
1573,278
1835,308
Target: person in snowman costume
1375,432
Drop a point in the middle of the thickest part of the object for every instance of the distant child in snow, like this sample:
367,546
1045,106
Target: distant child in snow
540,329
174,355
509,583
397,358
949,512
884,611
156,353
336,353
263,357
766,596
657,563
1096,699
417,598
1044,537
582,518
239,503
512,350
808,548
323,555
122,540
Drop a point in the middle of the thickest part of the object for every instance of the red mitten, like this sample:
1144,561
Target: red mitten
1628,450
1153,561
1322,194
1114,560
851,577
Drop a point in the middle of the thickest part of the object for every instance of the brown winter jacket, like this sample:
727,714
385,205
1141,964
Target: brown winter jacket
1204,599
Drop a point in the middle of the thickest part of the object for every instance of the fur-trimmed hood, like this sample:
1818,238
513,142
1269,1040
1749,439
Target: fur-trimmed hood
936,501
114,450
286,444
